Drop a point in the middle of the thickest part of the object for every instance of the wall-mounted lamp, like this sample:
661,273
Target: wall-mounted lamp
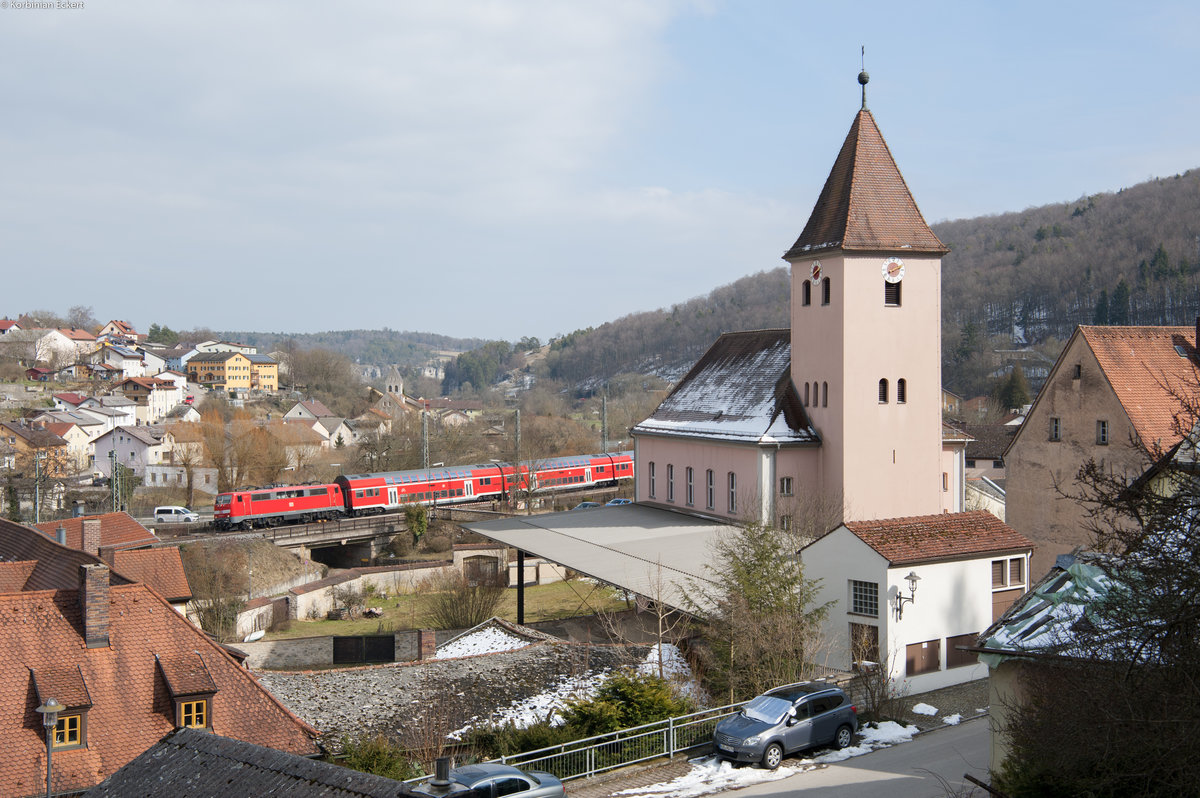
912,580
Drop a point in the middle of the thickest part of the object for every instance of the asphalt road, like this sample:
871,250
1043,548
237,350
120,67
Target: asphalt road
931,766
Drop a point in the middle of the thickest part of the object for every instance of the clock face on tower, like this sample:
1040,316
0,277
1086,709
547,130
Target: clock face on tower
893,270
816,272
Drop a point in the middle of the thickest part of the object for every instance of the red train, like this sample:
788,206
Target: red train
363,494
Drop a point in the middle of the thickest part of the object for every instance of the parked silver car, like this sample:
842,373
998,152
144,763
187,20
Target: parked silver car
497,780
787,719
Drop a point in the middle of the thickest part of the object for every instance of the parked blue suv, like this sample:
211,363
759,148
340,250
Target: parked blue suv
784,720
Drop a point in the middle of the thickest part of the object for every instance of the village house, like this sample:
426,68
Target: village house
124,666
1116,395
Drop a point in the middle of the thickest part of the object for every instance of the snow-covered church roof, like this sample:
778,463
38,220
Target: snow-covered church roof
740,390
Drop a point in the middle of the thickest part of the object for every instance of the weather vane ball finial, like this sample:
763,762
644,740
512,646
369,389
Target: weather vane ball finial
863,78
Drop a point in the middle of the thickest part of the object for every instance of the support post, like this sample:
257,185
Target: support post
520,587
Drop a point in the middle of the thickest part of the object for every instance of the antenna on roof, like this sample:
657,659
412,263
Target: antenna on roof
863,77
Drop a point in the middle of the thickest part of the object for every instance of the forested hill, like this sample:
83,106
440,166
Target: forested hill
666,342
377,347
1130,257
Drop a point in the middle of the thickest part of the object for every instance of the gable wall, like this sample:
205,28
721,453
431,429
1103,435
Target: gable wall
1035,464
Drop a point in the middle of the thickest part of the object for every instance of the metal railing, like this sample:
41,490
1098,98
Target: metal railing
593,755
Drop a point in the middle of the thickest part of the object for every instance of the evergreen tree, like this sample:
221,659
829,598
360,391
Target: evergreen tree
1013,391
1101,315
1118,306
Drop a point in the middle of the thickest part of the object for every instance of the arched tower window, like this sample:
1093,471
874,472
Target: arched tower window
824,394
806,394
806,293
901,391
891,294
883,392
825,291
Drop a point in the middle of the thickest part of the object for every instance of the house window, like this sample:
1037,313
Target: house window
710,499
970,462
825,291
732,492
945,482
923,657
997,464
69,731
1078,372
651,479
956,658
690,488
883,391
1056,429
670,482
864,598
901,391
806,293
1102,433
785,486
864,644
891,294
785,523
1007,573
194,714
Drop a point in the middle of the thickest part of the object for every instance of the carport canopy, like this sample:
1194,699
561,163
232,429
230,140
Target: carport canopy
650,551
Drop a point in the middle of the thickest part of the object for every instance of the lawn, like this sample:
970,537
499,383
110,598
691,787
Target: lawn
542,603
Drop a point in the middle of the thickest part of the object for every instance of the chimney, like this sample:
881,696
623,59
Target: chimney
91,536
60,535
426,644
94,601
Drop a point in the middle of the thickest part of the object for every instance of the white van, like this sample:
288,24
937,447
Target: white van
172,513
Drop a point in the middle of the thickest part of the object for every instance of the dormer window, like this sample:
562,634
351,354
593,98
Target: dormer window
193,714
191,687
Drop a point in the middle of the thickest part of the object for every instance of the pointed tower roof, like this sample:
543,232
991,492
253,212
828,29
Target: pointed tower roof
865,205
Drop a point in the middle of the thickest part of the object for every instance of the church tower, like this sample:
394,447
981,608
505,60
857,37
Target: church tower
866,334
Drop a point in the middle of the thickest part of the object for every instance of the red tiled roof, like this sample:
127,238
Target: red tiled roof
160,568
117,530
131,704
865,205
70,398
948,536
55,566
1148,375
14,575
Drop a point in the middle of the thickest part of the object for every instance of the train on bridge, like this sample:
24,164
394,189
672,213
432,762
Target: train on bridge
365,494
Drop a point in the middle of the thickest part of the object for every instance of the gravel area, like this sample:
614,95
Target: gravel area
965,700
436,696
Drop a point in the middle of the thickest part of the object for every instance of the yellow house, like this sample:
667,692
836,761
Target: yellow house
264,373
225,370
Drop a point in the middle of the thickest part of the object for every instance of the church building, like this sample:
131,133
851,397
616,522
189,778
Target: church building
846,405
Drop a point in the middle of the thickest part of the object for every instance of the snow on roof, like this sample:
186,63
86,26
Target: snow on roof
741,389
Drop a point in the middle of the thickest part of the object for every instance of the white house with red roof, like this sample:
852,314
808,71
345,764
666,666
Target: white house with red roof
968,569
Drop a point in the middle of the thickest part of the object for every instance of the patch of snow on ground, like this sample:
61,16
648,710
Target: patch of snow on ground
711,775
924,709
543,706
485,641
675,669
952,720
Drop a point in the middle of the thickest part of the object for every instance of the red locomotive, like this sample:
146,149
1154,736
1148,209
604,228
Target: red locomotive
364,494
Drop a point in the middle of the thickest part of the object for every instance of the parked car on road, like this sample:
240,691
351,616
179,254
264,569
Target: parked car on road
784,720
499,780
617,502
174,513
585,505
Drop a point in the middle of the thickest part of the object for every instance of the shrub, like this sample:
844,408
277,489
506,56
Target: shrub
379,755
454,603
438,543
401,545
625,700
417,520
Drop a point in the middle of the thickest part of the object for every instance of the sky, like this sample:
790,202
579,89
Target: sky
500,169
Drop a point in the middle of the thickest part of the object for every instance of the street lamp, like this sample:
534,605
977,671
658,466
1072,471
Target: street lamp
912,580
50,711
